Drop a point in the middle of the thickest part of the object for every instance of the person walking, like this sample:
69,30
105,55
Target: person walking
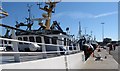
110,47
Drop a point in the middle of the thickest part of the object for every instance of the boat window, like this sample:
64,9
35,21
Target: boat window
9,42
25,38
68,42
5,42
54,40
38,39
20,38
46,40
65,41
31,39
1,42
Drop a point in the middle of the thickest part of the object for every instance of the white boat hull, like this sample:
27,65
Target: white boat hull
72,61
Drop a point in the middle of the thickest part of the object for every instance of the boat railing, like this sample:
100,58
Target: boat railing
18,56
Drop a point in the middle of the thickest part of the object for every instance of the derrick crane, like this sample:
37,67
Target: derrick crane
3,13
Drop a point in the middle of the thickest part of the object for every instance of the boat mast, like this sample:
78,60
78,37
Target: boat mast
49,8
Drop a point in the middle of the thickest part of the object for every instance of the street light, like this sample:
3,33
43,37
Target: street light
102,31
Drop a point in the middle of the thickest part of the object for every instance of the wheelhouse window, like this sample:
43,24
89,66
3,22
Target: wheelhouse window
38,39
68,42
25,39
54,40
46,39
65,41
10,42
5,42
31,39
20,38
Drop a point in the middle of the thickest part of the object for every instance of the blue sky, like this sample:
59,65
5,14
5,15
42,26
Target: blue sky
90,14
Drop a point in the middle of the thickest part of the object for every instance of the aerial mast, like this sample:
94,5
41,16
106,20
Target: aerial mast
79,31
29,12
29,19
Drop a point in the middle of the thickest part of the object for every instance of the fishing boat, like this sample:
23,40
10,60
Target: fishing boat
48,47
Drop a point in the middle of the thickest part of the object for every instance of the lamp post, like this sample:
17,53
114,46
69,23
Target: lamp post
102,31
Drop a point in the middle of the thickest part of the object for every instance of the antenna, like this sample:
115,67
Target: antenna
39,4
29,11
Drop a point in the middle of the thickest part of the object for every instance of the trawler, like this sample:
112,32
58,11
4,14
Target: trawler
49,46
45,34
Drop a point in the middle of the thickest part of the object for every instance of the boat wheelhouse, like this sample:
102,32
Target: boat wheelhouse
55,39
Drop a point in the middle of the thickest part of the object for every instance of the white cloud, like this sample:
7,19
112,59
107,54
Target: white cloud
81,15
73,15
106,14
